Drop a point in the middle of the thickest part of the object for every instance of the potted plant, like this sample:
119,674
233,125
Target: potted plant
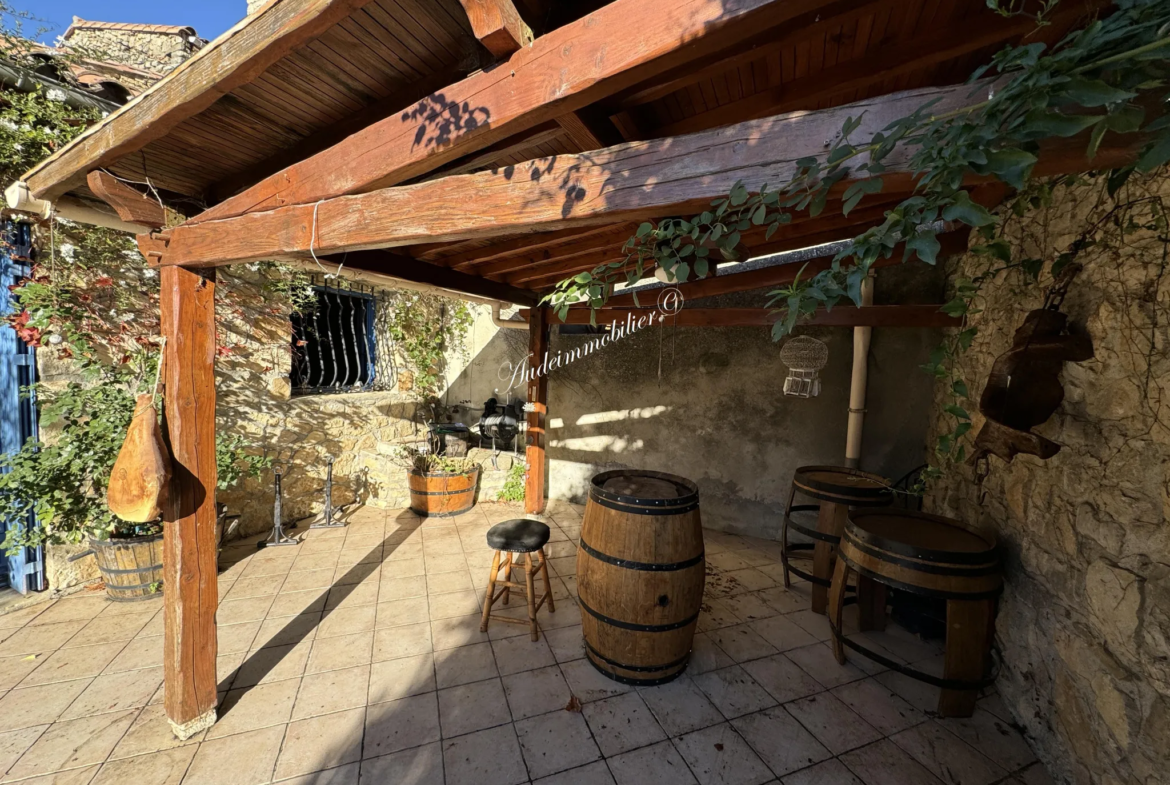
440,486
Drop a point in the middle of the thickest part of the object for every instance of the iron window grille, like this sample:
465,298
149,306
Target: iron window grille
334,342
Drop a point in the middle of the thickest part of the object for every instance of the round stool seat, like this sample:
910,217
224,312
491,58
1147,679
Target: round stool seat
521,535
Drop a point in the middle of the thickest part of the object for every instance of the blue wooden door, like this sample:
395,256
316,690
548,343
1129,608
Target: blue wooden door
23,571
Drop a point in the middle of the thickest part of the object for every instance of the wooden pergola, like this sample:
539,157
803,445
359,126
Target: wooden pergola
493,149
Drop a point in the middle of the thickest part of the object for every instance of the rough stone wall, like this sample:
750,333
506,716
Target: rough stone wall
153,51
1084,623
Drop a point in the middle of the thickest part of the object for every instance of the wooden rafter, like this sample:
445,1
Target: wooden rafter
467,260
628,182
841,316
586,60
408,269
498,25
131,206
234,59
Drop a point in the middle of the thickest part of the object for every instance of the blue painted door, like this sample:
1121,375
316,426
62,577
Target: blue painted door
25,570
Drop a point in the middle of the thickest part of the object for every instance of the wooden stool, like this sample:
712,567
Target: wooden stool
526,536
935,557
837,489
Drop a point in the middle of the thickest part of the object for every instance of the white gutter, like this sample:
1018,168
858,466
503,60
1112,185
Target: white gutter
857,386
18,197
506,324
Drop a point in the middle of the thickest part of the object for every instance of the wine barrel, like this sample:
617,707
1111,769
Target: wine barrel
441,495
640,575
132,568
840,485
922,553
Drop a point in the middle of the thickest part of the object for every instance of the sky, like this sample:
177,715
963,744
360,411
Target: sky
208,17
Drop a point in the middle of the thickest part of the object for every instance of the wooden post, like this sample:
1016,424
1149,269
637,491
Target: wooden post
537,482
830,520
190,590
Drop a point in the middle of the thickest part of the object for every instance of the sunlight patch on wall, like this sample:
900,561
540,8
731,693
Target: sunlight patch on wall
600,443
617,415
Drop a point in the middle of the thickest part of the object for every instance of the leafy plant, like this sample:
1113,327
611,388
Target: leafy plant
1096,80
424,328
513,490
427,462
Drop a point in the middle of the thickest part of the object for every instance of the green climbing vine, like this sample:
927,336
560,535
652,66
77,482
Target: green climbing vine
424,327
1109,78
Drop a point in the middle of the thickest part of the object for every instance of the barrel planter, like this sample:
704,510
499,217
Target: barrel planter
132,568
442,494
640,575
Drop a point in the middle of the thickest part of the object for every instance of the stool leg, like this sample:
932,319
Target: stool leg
970,628
831,520
530,590
552,607
508,577
871,603
487,601
837,605
784,537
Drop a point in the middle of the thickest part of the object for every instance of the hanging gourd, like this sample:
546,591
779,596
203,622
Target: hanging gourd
805,357
142,472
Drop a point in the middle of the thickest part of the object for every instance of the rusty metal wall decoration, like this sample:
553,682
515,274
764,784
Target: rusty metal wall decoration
1024,387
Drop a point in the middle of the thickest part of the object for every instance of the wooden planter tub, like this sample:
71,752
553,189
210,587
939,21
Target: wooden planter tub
440,494
132,568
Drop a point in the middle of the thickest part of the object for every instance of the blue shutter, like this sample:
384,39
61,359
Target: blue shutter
18,415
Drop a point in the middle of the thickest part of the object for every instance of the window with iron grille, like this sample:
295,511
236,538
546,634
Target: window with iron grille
334,346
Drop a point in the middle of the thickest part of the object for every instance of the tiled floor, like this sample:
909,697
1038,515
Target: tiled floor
356,657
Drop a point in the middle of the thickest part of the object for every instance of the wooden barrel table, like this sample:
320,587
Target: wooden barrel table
836,488
640,575
931,556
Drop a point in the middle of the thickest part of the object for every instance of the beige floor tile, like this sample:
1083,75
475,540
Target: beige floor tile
232,638
116,692
447,582
347,621
150,732
750,607
782,633
918,694
321,743
818,661
555,742
733,691
294,603
707,656
715,615
419,766
589,685
471,707
659,764
567,643
21,617
109,629
14,670
72,744
564,566
137,654
680,707
486,757
251,708
457,631
344,651
243,759
993,737
536,692
748,579
73,608
263,586
307,561
341,775
622,723
392,642
249,609
401,678
21,708
331,691
154,627
14,743
464,665
304,580
405,564
830,772
879,706
783,743
226,666
596,773
741,643
401,588
884,763
401,724
352,595
287,630
81,776
782,678
462,603
947,756
521,653
264,666
40,638
445,545
784,600
444,562
158,768
834,724
718,756
398,613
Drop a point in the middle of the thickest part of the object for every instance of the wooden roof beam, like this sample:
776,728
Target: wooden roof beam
498,26
131,205
232,60
840,316
629,182
407,269
620,44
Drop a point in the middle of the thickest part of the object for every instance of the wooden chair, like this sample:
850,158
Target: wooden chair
526,536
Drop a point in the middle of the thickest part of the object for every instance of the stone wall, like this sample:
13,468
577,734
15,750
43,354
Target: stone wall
158,51
1084,623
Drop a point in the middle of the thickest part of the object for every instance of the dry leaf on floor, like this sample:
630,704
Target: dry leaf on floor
719,747
574,704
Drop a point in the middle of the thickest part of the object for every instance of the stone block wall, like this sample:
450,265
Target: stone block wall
1084,623
158,51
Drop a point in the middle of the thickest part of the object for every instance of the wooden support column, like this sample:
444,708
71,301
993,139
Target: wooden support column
190,590
536,485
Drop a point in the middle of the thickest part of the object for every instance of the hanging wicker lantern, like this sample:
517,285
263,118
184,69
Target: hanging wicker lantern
805,357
